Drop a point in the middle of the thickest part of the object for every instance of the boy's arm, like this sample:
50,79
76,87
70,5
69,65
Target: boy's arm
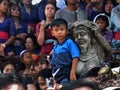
73,69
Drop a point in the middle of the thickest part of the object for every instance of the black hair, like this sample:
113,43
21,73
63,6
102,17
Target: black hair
7,63
34,40
45,73
104,3
9,79
80,83
4,0
104,18
58,22
52,4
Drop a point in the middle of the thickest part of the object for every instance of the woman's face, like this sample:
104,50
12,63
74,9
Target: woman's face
108,6
15,11
4,6
82,37
29,44
9,68
50,11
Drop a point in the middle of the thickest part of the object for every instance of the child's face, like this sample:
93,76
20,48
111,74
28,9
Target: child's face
59,32
9,68
4,6
101,24
42,83
49,11
27,58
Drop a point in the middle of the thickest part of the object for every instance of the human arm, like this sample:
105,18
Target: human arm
73,69
40,38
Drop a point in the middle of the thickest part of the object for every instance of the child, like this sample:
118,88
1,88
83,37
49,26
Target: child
26,59
103,22
65,53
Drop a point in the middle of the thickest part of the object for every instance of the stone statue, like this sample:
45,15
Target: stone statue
94,48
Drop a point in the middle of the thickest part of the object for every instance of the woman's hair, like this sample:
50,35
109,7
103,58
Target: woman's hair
104,3
34,40
80,83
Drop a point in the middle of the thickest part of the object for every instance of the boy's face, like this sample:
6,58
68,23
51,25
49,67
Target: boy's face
101,24
59,32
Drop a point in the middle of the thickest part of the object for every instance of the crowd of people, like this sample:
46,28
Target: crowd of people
42,45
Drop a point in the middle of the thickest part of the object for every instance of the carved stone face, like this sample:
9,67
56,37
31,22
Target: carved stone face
82,37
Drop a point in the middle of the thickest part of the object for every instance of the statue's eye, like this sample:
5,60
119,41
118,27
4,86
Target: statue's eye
75,35
82,33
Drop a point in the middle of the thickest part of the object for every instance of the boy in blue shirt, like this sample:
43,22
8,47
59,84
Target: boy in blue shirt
65,53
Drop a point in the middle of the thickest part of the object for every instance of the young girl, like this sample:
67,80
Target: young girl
26,59
43,31
6,27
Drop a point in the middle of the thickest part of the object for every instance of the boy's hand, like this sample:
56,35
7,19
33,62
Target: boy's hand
72,76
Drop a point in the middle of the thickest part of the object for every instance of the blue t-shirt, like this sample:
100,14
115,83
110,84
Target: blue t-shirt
63,53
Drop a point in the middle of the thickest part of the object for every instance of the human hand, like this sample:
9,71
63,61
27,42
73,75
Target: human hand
72,76
43,24
2,50
11,54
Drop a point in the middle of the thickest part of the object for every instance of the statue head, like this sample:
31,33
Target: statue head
86,34
83,33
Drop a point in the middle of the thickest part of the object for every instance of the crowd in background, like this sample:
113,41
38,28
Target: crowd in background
27,40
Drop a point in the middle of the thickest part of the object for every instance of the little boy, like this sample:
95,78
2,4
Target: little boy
104,23
65,54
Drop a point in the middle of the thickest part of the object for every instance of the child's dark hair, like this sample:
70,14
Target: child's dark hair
45,73
58,22
104,18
